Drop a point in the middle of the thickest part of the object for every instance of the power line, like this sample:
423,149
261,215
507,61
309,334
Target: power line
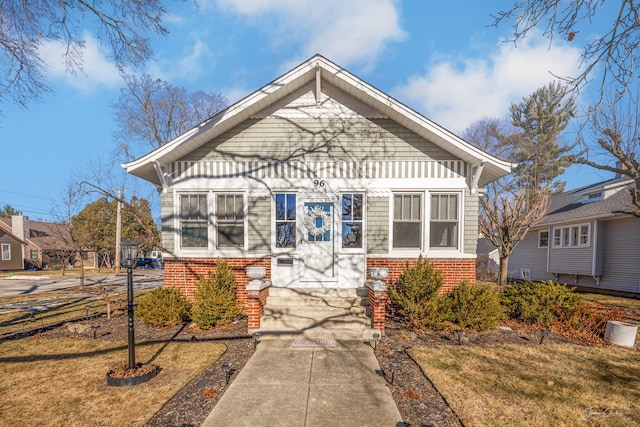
26,195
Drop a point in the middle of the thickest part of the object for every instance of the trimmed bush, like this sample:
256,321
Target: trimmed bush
475,307
215,301
542,303
416,295
163,307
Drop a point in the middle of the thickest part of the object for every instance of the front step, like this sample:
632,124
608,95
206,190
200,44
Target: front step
316,313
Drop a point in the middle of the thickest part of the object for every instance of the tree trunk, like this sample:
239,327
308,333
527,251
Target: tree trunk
502,270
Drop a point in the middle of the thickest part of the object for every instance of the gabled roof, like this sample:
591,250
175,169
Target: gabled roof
6,227
44,235
574,205
145,167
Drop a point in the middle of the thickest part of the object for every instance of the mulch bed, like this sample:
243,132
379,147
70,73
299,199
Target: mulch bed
418,400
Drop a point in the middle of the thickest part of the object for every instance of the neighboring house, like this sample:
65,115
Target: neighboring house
11,249
43,244
584,240
488,260
318,176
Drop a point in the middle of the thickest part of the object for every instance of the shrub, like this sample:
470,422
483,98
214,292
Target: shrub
475,307
215,300
163,307
416,296
542,303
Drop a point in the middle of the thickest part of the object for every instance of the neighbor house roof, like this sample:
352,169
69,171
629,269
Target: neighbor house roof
576,205
147,168
44,235
6,227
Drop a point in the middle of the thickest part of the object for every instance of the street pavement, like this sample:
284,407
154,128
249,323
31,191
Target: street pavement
26,284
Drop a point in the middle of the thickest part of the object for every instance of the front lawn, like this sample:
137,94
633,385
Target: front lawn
537,385
62,382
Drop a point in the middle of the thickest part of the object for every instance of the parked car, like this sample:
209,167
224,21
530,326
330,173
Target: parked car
148,263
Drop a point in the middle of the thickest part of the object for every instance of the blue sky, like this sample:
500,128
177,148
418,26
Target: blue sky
443,59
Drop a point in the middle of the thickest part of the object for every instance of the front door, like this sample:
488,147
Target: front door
318,240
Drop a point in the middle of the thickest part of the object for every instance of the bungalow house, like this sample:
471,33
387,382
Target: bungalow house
584,240
317,177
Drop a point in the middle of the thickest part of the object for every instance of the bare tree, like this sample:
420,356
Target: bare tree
26,25
508,208
614,51
617,132
153,112
506,216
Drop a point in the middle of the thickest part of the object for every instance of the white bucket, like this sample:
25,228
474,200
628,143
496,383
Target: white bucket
621,333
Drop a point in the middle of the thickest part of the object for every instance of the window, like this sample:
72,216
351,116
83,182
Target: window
193,221
525,273
543,239
444,221
572,236
34,254
6,252
230,220
352,225
407,221
285,220
584,235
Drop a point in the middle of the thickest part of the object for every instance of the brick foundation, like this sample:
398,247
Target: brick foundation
183,273
453,270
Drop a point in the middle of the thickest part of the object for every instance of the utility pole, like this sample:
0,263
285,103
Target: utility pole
118,229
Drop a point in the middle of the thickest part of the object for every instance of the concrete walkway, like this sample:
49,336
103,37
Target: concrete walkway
283,385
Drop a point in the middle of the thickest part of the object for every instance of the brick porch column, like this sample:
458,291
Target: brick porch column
257,293
378,296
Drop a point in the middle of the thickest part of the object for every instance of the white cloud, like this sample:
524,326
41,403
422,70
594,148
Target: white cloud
191,66
348,32
96,69
456,91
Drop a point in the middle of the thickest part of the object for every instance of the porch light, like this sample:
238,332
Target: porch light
128,252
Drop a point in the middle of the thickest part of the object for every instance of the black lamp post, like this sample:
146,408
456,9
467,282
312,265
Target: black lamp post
129,254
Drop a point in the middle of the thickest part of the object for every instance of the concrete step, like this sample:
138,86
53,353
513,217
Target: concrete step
299,323
313,311
344,302
351,334
318,292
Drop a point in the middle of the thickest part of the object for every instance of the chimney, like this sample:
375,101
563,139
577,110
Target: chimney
20,227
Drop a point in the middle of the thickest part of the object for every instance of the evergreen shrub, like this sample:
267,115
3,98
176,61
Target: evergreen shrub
215,301
163,307
476,307
540,303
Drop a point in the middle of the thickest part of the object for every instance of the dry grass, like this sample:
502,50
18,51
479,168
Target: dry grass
63,382
542,385
612,301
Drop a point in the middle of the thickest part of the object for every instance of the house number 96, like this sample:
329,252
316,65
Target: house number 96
318,183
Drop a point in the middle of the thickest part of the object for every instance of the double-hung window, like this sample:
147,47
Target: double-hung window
444,221
352,224
285,220
193,221
543,239
407,221
230,220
